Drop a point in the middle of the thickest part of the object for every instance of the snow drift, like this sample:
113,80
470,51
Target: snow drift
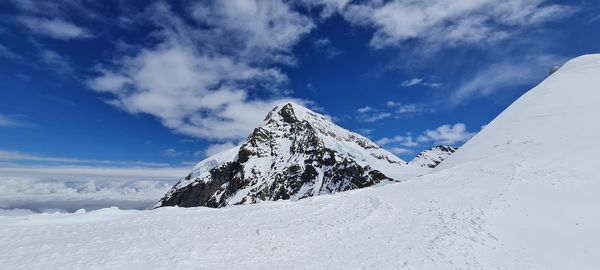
522,194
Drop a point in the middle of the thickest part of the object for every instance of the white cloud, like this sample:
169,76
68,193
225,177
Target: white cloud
444,23
432,84
419,81
259,26
392,109
196,95
451,135
55,28
375,116
365,109
109,82
506,74
209,82
322,42
55,8
406,141
404,109
368,114
447,134
218,148
412,109
399,150
329,7
411,82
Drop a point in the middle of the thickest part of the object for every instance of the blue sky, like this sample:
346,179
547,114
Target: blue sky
127,84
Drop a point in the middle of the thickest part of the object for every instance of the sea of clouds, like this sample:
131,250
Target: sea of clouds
50,190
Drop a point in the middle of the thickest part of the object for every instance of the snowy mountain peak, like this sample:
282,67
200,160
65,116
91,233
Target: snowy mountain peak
295,153
432,157
292,112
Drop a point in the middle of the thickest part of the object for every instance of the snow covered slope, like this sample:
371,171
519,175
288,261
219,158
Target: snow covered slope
295,153
432,157
522,194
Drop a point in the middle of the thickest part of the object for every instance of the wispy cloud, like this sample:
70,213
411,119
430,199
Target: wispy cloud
405,140
104,172
8,53
419,81
23,77
391,109
12,121
56,8
506,74
410,109
374,116
411,82
12,156
55,28
56,62
325,46
365,109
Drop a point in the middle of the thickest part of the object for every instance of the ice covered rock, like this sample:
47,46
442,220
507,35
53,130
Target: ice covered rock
432,157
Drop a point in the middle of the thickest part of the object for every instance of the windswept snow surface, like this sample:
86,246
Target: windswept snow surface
522,194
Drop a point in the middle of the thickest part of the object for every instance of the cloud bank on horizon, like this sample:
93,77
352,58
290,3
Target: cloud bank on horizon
49,184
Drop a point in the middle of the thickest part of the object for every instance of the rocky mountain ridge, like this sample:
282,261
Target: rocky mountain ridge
295,153
432,157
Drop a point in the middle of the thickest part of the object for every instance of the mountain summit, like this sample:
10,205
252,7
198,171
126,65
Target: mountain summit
295,153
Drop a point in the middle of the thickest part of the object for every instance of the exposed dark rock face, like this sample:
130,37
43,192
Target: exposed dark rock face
432,157
294,154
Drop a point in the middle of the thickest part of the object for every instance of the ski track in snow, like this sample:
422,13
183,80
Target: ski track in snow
522,194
